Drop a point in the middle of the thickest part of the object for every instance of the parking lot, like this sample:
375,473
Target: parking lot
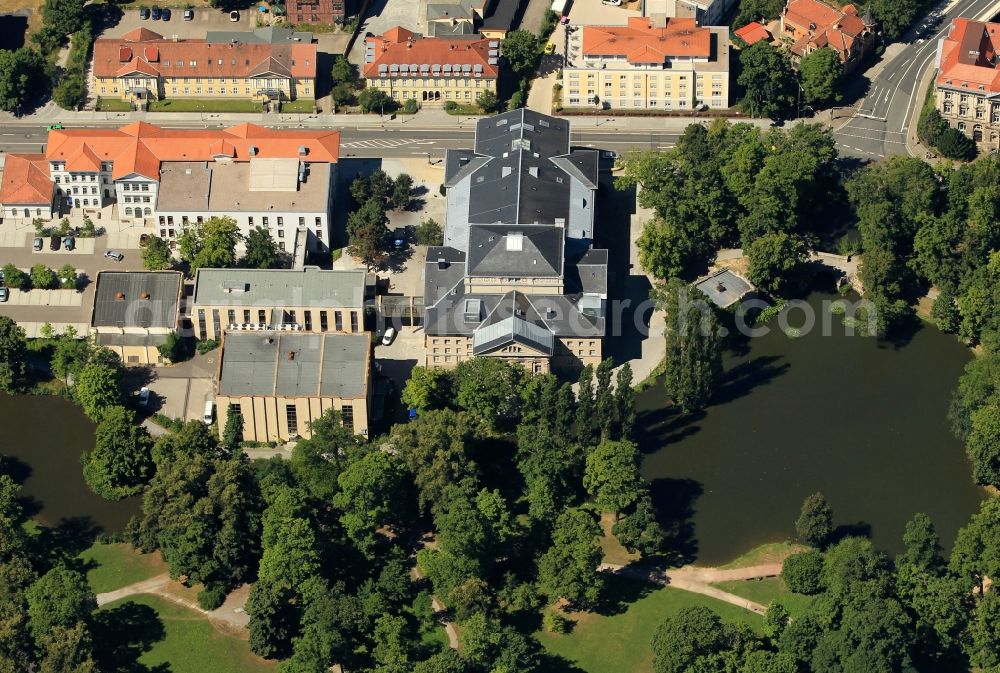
205,19
386,14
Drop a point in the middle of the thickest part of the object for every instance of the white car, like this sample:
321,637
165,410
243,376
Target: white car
613,3
388,337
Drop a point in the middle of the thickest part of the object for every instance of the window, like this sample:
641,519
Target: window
323,323
307,320
250,220
216,322
232,316
281,232
302,221
319,221
262,316
201,324
338,321
281,246
354,321
292,418
347,416
265,220
281,220
246,316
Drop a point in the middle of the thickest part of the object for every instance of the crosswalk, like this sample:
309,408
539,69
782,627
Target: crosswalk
385,144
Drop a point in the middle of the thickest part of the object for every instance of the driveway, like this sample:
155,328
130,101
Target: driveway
386,14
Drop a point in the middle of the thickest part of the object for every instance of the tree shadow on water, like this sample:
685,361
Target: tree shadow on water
125,633
674,503
665,425
857,529
743,378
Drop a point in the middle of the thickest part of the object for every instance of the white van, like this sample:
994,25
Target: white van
209,412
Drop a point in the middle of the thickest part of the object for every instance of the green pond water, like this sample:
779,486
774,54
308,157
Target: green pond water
862,421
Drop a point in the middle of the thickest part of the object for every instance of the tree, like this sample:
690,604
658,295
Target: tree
211,244
773,258
368,235
978,387
776,619
447,661
273,619
923,547
22,78
815,523
12,519
944,311
290,548
984,650
429,232
261,250
758,10
803,572
13,277
401,188
612,475
488,101
172,349
894,16
569,568
488,388
67,650
693,348
681,640
43,278
983,444
13,355
344,72
820,72
375,100
768,79
427,388
121,463
625,401
976,554
63,16
520,48
68,276
60,598
98,387
157,255
369,497
639,531
232,435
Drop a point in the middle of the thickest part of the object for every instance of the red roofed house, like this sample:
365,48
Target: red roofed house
169,179
753,32
26,191
650,63
316,11
813,24
409,66
967,85
264,65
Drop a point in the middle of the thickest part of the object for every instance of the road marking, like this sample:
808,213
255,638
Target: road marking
916,85
881,140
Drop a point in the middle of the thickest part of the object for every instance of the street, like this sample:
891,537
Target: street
881,123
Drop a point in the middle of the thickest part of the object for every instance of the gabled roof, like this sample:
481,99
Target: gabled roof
642,41
141,35
969,56
26,181
140,147
514,320
402,53
753,32
823,26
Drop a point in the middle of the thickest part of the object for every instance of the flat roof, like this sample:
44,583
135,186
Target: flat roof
137,299
294,364
279,287
225,187
724,287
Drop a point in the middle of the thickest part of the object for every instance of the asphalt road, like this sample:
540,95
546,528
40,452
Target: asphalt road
881,123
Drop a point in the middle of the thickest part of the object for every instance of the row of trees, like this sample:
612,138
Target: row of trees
923,612
41,277
893,16
772,88
212,244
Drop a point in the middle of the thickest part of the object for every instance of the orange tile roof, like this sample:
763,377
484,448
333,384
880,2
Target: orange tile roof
144,51
26,181
968,54
642,42
140,147
823,26
753,32
398,46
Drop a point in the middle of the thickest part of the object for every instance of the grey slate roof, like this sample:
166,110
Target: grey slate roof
588,272
290,364
279,287
724,287
265,35
137,299
515,251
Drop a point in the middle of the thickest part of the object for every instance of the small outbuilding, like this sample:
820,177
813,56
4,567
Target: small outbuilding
724,287
753,32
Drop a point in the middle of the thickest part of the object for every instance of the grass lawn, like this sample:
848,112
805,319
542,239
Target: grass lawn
620,643
765,590
772,552
113,105
113,566
469,109
181,640
302,106
204,105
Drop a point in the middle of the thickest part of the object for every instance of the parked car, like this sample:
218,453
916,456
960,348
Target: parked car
609,154
166,13
209,412
37,245
4,294
189,15
114,254
144,13
234,16
69,243
157,13
389,336
399,238
1,277
144,396
613,3
54,242
550,48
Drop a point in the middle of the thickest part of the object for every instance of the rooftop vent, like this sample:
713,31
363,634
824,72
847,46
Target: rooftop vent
253,150
237,286
442,263
119,296
143,295
268,341
303,150
291,355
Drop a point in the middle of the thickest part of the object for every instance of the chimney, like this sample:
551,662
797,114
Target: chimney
291,355
144,295
119,296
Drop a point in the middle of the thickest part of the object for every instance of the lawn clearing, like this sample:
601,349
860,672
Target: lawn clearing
765,590
613,550
188,642
620,643
113,105
772,552
205,105
113,566
301,106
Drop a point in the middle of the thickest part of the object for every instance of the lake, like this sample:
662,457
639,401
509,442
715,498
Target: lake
45,435
862,421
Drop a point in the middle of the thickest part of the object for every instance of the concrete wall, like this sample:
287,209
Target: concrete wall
265,419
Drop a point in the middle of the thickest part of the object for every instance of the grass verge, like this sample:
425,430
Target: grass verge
113,566
301,106
620,643
204,105
772,552
113,105
765,590
180,640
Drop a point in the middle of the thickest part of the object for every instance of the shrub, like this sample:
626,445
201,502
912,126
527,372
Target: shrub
42,277
802,572
205,345
429,232
410,106
212,597
450,106
553,622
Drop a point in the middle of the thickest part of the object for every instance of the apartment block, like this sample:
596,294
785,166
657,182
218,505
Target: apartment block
650,63
967,85
431,70
268,64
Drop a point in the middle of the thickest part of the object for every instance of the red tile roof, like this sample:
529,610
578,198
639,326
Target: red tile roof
144,51
968,55
141,147
823,26
398,46
642,42
26,181
753,32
